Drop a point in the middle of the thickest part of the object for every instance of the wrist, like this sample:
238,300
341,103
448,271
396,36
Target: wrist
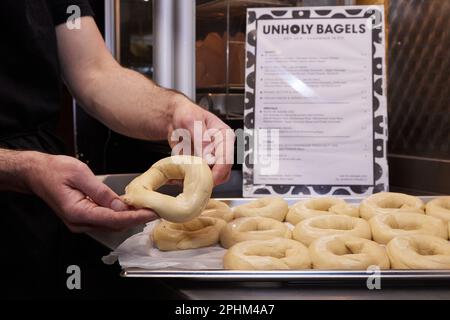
176,101
29,168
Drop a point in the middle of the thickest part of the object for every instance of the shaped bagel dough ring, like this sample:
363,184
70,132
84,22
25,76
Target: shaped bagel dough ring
386,227
390,202
197,188
419,251
305,209
347,253
316,227
252,228
439,208
197,233
218,209
270,207
274,254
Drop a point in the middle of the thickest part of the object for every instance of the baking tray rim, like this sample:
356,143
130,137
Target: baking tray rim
286,275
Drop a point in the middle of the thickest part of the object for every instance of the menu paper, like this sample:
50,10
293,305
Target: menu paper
315,109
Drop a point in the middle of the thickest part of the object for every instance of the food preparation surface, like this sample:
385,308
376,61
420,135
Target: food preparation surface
324,277
299,285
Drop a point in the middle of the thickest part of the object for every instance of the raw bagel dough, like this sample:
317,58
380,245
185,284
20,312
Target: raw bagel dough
347,252
387,226
271,207
389,202
316,227
345,209
197,233
320,206
197,188
218,209
439,208
252,228
275,254
419,252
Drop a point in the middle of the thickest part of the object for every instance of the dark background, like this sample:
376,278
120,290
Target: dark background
418,106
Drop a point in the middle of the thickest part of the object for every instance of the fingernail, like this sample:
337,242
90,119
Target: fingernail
118,205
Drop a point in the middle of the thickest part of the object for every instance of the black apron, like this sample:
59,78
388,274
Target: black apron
31,234
35,246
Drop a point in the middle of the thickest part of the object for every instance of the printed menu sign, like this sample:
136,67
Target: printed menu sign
315,109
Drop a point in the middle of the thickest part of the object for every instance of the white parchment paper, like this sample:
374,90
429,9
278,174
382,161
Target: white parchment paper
139,251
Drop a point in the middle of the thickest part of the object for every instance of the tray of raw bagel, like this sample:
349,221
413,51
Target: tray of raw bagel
271,238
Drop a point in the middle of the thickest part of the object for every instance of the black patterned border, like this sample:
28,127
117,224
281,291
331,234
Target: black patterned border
376,13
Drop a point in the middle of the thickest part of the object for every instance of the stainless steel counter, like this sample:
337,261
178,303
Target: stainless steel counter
280,291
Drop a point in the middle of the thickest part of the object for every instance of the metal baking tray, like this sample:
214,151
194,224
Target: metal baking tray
289,276
304,276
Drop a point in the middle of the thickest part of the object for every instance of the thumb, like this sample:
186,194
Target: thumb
99,193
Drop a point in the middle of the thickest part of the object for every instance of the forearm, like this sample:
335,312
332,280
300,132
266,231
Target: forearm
128,103
14,167
70,189
124,100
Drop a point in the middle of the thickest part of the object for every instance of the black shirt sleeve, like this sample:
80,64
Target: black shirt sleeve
59,8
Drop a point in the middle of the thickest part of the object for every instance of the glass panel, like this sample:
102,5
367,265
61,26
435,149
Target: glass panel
419,81
135,36
220,64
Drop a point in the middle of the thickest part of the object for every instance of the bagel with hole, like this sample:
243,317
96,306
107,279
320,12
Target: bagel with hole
252,228
197,188
347,253
305,209
419,251
439,208
386,227
270,207
198,233
320,226
218,209
274,254
390,202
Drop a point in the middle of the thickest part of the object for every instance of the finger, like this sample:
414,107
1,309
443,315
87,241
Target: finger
175,182
98,227
224,154
223,140
96,190
192,120
221,173
89,214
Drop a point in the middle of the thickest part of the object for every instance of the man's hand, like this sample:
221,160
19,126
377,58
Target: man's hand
217,138
80,199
